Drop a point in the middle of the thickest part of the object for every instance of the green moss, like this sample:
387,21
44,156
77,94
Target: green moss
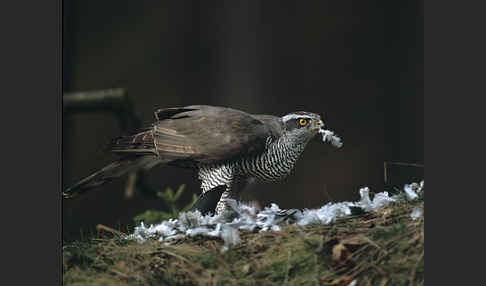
170,199
79,253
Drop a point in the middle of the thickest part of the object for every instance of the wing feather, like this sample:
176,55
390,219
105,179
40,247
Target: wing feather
209,134
139,142
200,134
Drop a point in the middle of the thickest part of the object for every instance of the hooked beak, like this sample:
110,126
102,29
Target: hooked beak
318,125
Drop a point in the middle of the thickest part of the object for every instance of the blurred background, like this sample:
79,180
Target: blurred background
357,63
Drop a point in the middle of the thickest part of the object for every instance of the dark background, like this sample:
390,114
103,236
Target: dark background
359,64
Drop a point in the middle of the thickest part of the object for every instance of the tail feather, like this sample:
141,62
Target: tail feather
109,172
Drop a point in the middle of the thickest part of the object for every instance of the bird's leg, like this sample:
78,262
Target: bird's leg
233,190
222,204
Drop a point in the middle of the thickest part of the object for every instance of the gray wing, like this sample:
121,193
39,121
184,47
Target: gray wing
199,133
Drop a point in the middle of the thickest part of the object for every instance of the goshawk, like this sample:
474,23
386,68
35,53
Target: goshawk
229,148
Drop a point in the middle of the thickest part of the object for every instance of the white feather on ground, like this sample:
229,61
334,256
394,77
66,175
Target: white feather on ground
243,217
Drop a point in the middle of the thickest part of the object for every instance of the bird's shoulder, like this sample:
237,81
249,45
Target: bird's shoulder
274,124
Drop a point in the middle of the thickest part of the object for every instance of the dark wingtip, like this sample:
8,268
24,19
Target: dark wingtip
166,113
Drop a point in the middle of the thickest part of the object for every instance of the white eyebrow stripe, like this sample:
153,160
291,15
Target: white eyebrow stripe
294,116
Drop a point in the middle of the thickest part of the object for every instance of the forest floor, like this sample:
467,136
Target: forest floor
384,247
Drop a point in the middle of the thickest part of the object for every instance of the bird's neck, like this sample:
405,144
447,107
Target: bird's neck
289,149
297,146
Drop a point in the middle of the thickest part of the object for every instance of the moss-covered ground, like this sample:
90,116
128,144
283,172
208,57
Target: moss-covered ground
385,247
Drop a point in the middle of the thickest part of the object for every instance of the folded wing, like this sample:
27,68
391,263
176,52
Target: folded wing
195,134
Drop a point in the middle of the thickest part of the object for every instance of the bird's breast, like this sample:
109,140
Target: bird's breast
274,164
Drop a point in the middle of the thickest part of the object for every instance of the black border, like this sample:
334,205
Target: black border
454,74
31,73
31,126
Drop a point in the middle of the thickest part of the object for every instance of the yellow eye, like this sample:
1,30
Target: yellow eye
303,122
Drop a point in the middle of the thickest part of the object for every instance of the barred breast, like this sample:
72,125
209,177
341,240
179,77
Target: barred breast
213,175
274,164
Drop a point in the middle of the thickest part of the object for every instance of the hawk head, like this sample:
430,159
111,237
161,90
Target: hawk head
301,126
